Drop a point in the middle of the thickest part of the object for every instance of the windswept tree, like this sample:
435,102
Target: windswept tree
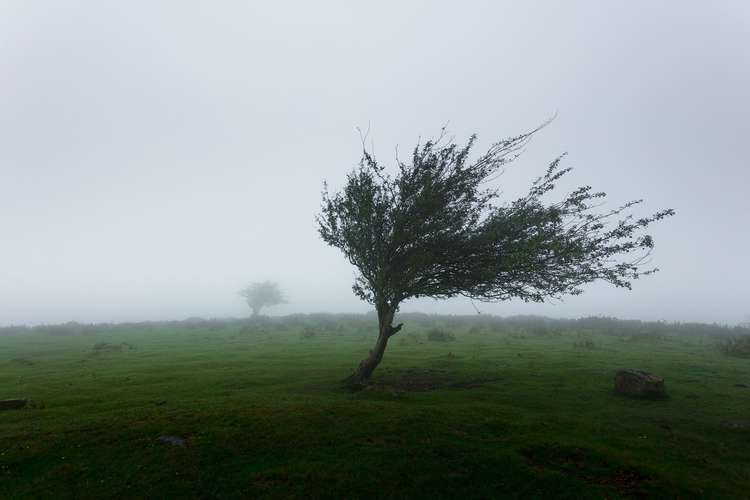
263,294
431,228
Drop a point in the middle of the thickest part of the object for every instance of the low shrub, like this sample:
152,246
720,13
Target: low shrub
66,329
410,338
309,332
646,337
438,335
106,347
540,330
13,330
737,346
477,330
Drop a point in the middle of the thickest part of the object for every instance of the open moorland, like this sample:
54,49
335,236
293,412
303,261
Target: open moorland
472,407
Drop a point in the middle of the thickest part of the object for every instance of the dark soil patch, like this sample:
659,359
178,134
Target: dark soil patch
12,404
428,380
106,347
590,466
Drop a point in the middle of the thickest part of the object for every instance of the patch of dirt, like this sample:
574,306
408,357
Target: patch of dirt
414,380
106,347
590,466
12,404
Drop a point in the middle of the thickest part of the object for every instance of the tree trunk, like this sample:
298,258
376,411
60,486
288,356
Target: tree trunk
361,377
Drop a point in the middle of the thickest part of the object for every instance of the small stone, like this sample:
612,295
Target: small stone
736,425
640,384
173,440
161,403
12,404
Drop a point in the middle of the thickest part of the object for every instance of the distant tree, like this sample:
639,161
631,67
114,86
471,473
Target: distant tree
264,294
431,229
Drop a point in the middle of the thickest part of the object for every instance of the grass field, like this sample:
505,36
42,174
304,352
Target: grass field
515,408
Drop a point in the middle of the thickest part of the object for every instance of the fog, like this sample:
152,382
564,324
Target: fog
155,158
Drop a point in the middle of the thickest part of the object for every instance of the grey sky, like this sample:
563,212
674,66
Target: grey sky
156,157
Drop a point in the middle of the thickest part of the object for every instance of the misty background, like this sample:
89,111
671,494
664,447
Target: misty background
157,157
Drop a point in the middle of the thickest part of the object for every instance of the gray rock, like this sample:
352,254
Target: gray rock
173,440
12,404
639,384
736,425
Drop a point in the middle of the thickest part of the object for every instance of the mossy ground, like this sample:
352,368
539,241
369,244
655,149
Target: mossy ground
496,413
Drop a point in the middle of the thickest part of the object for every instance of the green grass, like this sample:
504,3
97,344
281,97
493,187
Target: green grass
514,412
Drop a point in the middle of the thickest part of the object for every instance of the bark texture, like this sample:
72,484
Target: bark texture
361,376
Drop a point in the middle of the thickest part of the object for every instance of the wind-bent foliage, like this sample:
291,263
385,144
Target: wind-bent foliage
432,230
264,294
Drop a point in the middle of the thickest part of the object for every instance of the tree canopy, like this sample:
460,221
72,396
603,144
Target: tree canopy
433,229
262,294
